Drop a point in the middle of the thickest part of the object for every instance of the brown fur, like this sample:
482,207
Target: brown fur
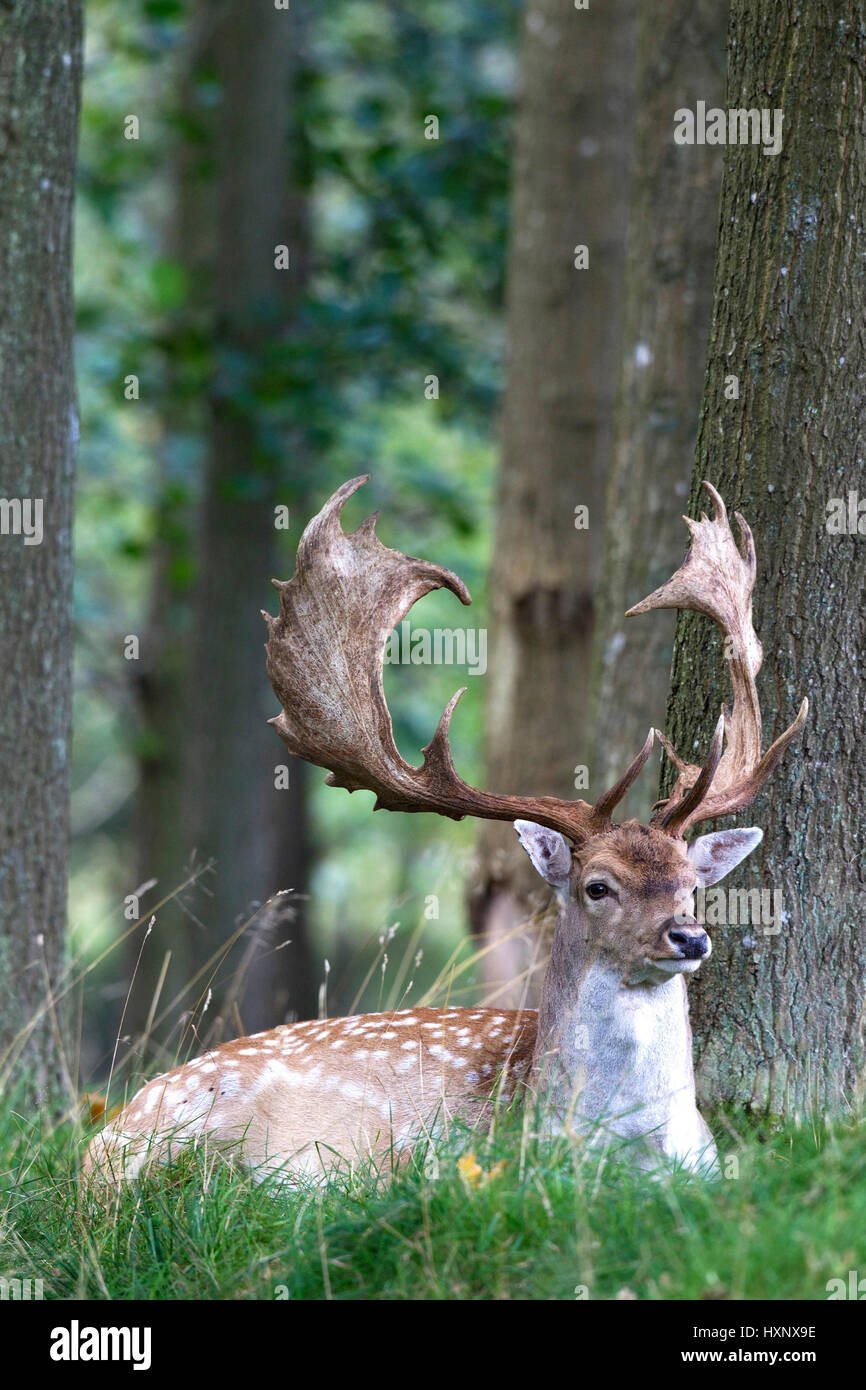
654,880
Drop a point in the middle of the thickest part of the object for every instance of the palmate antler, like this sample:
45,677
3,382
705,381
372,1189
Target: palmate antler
324,660
717,578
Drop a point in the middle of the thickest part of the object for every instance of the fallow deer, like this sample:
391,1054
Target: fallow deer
609,1051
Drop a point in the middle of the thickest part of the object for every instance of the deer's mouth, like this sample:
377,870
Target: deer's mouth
680,965
657,969
690,956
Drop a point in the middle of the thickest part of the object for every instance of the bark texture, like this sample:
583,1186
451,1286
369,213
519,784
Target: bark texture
673,221
572,161
40,77
779,1018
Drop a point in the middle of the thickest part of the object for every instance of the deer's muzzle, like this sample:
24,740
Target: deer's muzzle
688,939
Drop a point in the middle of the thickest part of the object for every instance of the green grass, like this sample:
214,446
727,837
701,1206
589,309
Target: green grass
554,1222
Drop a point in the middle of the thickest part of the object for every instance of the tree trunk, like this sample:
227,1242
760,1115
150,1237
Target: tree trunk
570,181
779,1018
40,77
668,304
255,833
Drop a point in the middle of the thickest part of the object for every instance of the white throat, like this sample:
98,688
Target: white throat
619,1060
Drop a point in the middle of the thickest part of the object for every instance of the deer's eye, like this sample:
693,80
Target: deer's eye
597,890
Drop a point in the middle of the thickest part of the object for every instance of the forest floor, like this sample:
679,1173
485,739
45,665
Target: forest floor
518,1218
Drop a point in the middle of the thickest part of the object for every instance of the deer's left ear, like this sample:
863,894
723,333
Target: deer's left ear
548,851
715,855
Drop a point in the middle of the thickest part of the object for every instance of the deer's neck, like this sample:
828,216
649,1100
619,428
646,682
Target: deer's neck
617,1057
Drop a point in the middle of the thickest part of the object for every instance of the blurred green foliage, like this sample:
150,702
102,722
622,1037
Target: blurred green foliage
408,243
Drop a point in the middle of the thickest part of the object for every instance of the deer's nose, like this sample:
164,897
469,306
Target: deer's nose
689,940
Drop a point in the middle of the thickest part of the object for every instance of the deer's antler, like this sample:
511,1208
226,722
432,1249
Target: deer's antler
324,659
717,578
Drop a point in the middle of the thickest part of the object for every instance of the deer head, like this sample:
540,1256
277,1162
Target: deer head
627,893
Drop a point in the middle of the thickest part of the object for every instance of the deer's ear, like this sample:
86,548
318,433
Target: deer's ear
548,851
715,855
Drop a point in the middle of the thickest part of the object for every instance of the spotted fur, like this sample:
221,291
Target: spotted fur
290,1099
